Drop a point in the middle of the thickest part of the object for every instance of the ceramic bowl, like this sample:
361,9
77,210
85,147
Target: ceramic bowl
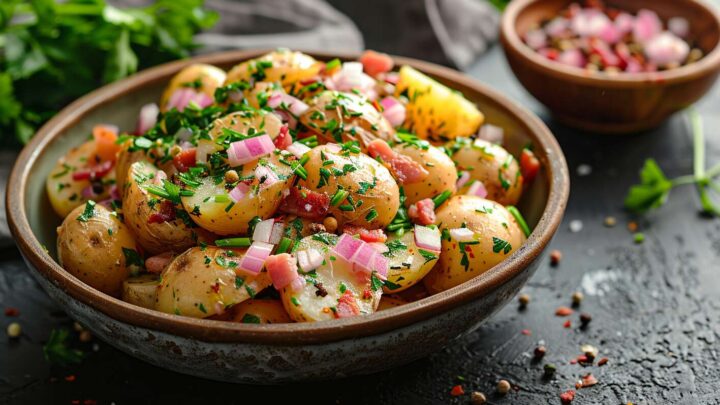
622,103
277,353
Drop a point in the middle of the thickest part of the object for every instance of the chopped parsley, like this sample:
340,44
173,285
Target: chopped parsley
500,245
88,213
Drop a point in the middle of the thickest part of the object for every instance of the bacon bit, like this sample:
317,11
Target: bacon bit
369,236
156,264
375,63
215,288
367,294
306,203
403,168
573,361
567,324
423,212
563,311
529,166
94,172
583,359
588,380
567,396
457,390
165,214
105,137
283,140
555,257
602,361
526,332
10,311
184,160
70,378
347,306
632,226
377,106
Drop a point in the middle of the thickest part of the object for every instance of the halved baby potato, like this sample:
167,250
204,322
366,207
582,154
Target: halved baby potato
199,77
496,235
491,164
332,284
283,66
64,192
408,263
371,195
97,248
202,282
141,209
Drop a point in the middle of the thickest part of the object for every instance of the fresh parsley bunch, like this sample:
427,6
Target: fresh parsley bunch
53,52
654,187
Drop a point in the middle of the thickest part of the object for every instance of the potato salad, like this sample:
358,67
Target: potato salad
289,189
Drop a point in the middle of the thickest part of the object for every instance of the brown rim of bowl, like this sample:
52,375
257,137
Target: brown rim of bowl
292,333
510,37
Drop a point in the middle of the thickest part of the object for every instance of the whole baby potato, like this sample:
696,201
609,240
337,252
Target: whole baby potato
442,174
96,247
491,164
199,77
372,198
496,235
202,282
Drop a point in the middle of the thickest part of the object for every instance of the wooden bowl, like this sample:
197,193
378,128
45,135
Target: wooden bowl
278,352
622,103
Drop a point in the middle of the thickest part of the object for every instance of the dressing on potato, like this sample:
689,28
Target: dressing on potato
282,66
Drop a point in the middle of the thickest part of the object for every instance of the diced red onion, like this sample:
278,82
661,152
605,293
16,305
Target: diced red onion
633,66
254,259
147,118
679,26
286,117
666,48
266,176
219,308
309,259
557,27
203,100
282,270
624,22
182,97
391,77
380,266
114,193
589,22
294,105
277,233
427,238
463,179
88,193
351,77
492,134
363,258
572,57
477,188
298,149
647,26
462,234
347,246
536,39
263,230
333,147
159,177
380,247
239,192
393,111
250,149
610,34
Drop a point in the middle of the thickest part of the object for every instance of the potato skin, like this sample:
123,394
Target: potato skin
383,197
199,282
243,121
260,311
493,165
356,118
141,290
92,250
287,68
65,193
138,206
492,224
209,77
442,174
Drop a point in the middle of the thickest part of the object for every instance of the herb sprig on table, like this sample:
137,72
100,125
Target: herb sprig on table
52,53
654,187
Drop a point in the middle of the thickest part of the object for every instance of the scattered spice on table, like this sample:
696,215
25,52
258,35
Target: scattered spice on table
478,398
526,332
563,311
590,351
584,170
567,396
588,380
85,336
610,222
70,378
577,298
602,361
14,330
524,300
555,257
11,312
567,324
539,352
639,237
503,387
549,370
632,226
457,390
585,319
576,226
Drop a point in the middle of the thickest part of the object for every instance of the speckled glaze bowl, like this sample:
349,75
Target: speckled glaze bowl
268,354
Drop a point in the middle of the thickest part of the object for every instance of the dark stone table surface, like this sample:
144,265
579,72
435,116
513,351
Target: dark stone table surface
655,307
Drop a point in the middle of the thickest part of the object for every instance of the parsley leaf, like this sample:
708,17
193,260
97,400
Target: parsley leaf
500,245
88,213
56,349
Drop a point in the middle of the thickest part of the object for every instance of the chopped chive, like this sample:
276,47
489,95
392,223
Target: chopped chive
372,214
347,207
441,198
520,220
338,197
284,245
229,206
233,242
304,159
221,198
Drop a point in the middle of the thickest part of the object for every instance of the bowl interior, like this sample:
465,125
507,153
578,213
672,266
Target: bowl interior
703,25
34,223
